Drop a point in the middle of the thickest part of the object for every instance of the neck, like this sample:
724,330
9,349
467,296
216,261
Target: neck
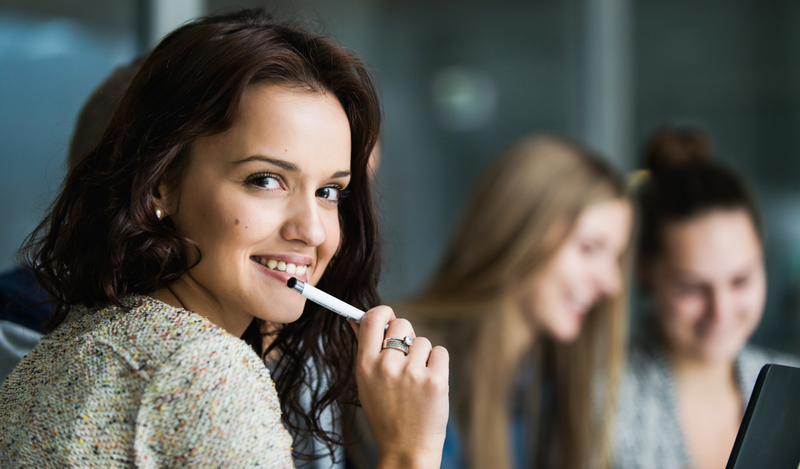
706,374
188,294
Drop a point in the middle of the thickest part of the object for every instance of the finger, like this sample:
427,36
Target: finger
370,333
439,360
355,326
399,329
418,353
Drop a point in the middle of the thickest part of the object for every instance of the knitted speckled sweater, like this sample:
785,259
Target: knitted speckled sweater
154,386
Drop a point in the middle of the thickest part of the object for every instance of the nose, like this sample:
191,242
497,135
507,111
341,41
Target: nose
720,305
609,279
304,222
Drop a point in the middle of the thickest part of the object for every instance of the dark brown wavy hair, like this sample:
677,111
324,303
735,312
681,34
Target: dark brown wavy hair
685,183
101,239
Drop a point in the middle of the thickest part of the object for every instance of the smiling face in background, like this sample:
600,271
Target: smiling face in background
261,202
709,284
584,270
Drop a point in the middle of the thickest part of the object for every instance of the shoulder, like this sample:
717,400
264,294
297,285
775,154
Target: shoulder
210,357
750,361
213,401
753,356
647,433
147,333
646,366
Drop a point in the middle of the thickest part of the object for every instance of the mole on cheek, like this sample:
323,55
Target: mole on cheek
237,221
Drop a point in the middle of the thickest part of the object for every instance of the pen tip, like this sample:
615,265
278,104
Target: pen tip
291,282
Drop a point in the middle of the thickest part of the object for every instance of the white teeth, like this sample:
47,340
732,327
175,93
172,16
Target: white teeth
282,266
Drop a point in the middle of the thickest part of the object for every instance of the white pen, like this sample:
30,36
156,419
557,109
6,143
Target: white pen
325,300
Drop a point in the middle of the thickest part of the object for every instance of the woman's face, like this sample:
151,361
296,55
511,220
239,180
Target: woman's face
709,284
261,202
584,270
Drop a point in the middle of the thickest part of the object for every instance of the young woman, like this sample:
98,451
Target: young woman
701,261
529,298
223,173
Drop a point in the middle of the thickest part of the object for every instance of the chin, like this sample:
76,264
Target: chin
282,312
721,352
566,333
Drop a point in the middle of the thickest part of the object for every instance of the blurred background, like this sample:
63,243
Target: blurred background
460,80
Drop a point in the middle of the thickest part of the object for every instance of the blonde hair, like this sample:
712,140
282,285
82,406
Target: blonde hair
513,225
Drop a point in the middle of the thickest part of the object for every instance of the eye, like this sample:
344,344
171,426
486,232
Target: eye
688,289
590,248
741,281
265,181
330,193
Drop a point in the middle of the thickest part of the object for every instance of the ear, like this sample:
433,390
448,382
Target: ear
166,198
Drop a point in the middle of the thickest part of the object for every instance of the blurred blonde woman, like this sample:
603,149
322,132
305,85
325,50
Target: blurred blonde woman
529,298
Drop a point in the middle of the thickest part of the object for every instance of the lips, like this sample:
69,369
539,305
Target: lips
284,267
579,306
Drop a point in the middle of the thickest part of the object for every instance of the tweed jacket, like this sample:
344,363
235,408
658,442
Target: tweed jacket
153,386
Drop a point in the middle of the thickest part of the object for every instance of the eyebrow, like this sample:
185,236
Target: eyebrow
285,165
279,163
746,270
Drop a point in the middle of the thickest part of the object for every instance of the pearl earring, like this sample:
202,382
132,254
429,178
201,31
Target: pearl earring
159,213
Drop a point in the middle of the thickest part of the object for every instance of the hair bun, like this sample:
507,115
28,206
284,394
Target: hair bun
673,146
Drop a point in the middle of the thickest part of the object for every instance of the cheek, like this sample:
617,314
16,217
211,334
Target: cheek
752,301
572,265
535,300
543,305
567,273
333,237
226,224
230,224
682,311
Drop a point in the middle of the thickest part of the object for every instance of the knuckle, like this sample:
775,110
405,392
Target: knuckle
402,322
442,352
362,368
371,316
391,371
422,342
438,381
382,311
417,375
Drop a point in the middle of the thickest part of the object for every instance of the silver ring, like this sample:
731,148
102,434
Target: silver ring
398,344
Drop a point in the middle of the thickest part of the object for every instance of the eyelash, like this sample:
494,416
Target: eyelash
255,177
343,192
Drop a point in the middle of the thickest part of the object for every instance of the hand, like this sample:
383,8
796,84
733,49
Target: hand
405,397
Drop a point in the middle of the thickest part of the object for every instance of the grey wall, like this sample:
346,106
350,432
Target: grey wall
52,55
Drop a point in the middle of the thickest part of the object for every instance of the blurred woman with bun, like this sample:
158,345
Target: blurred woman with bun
700,260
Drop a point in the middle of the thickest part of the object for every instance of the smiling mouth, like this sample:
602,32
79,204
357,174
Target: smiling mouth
281,266
578,305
